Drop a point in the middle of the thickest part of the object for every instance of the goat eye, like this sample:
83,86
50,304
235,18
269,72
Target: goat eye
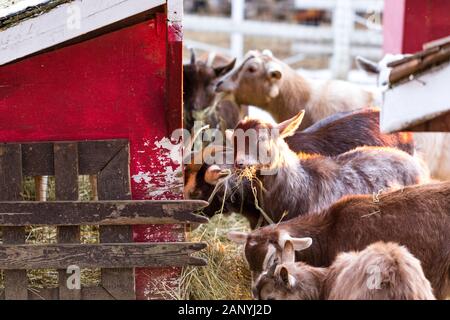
252,69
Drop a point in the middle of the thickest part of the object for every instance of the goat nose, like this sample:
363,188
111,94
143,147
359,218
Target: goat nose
239,164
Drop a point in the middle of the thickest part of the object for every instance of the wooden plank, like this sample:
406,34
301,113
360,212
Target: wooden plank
15,281
423,104
439,124
66,181
26,213
113,183
38,158
50,29
174,95
105,255
95,155
87,293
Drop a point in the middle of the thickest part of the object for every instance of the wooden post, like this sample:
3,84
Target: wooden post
237,39
41,187
16,281
343,25
66,181
113,184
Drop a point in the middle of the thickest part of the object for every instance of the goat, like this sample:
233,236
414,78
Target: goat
434,148
332,136
382,271
199,94
295,184
266,82
417,217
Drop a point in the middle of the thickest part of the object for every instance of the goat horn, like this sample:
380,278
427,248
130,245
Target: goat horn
298,243
288,254
193,59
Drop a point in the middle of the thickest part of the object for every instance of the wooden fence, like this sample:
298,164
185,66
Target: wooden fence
115,213
341,40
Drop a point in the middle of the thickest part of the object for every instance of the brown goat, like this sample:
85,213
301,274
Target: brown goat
266,82
382,271
417,217
330,137
295,184
200,77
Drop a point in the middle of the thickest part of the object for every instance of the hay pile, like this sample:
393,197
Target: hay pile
226,276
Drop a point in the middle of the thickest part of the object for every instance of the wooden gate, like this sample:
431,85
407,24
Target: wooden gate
115,213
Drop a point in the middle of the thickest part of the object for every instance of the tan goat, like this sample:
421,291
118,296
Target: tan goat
266,82
382,271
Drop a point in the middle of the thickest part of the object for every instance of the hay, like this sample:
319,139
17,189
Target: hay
48,278
226,277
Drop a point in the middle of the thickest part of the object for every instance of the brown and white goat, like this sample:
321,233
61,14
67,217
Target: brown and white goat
200,77
330,137
417,217
266,82
382,271
295,184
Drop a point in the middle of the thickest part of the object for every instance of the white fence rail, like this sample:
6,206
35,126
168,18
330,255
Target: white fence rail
341,39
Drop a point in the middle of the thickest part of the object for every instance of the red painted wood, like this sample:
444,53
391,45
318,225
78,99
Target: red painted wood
145,278
175,76
408,24
113,86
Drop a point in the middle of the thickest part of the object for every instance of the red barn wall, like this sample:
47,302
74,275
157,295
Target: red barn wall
408,24
113,86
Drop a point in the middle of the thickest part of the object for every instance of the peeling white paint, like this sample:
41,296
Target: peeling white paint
142,177
174,150
162,176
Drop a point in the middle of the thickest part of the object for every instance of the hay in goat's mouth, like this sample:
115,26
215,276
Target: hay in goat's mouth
249,174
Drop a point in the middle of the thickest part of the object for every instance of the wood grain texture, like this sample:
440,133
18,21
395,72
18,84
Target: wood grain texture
105,255
93,156
87,293
50,29
25,213
66,182
438,124
15,281
113,184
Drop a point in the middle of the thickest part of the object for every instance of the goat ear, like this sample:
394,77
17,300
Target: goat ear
267,52
214,173
301,243
220,71
367,65
289,127
238,236
288,280
193,59
288,254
